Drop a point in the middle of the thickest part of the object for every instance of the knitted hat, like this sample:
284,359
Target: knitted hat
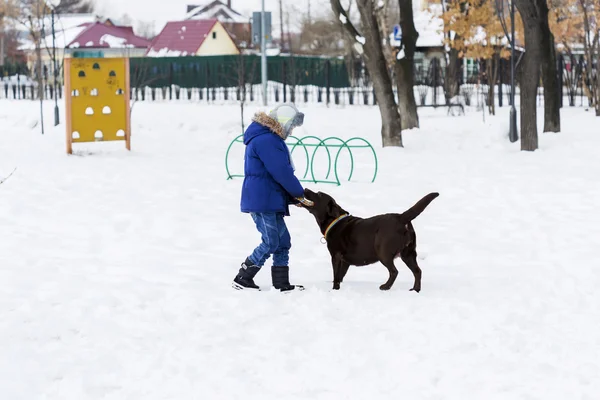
288,117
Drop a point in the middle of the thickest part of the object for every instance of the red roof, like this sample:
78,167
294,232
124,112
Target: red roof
99,35
184,37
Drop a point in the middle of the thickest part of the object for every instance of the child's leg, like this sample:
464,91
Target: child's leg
280,272
281,256
266,223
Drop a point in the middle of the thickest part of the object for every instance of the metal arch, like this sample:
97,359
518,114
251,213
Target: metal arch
367,145
229,176
341,144
309,162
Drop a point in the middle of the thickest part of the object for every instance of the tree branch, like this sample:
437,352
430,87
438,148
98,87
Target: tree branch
344,19
5,179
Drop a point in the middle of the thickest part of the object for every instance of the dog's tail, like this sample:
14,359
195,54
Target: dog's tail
418,208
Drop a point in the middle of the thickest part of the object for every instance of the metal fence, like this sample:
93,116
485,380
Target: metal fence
303,80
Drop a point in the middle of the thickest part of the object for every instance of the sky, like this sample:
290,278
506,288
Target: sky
161,11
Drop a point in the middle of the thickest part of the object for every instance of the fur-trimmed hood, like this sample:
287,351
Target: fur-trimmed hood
267,121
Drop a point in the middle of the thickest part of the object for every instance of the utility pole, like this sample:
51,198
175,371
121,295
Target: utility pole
281,35
263,47
55,73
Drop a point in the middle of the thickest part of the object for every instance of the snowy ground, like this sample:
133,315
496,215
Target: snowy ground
115,267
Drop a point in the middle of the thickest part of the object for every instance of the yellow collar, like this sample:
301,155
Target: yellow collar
332,224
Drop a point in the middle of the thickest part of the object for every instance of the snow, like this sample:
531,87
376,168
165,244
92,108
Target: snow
116,266
63,38
18,79
430,27
89,44
343,18
115,42
360,39
164,52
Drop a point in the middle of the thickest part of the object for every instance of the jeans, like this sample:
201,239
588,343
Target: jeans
276,240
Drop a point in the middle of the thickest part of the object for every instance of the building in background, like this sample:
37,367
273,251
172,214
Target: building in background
84,35
107,40
237,25
193,38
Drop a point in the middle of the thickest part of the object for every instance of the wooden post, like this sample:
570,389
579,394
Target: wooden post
68,104
127,106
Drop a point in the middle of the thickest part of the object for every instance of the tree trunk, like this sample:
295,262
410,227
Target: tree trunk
405,68
1,45
552,91
531,71
40,72
453,71
492,74
370,46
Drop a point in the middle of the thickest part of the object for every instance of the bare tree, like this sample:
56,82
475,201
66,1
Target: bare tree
9,175
146,29
369,45
32,15
453,61
534,14
8,11
75,7
405,67
591,44
552,90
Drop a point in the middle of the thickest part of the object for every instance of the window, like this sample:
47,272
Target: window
214,35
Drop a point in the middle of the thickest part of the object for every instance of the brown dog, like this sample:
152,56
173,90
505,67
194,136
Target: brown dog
357,241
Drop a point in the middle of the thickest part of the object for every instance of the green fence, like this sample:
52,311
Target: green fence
230,71
311,146
10,69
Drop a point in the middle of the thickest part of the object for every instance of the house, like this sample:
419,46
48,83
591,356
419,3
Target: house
193,38
238,25
66,26
84,35
107,40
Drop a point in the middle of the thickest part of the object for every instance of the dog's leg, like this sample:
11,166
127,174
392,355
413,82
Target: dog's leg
343,270
410,259
336,263
389,264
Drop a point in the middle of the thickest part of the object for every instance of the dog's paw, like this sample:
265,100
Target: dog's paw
415,290
384,287
336,286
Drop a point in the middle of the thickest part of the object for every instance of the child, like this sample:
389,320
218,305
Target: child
269,187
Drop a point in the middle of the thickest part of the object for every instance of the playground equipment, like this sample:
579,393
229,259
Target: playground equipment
332,146
97,100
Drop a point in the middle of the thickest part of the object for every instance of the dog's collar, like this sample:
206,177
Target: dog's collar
332,224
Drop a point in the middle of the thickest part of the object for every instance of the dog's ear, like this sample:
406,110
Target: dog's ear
332,208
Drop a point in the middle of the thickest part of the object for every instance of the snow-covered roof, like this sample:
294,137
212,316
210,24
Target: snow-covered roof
63,38
181,38
67,27
99,35
218,10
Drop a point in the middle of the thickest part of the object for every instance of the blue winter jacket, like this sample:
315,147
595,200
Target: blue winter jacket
269,183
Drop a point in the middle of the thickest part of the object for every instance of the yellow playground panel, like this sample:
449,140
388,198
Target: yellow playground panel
97,100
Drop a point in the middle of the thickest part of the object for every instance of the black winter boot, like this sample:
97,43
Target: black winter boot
244,280
281,279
